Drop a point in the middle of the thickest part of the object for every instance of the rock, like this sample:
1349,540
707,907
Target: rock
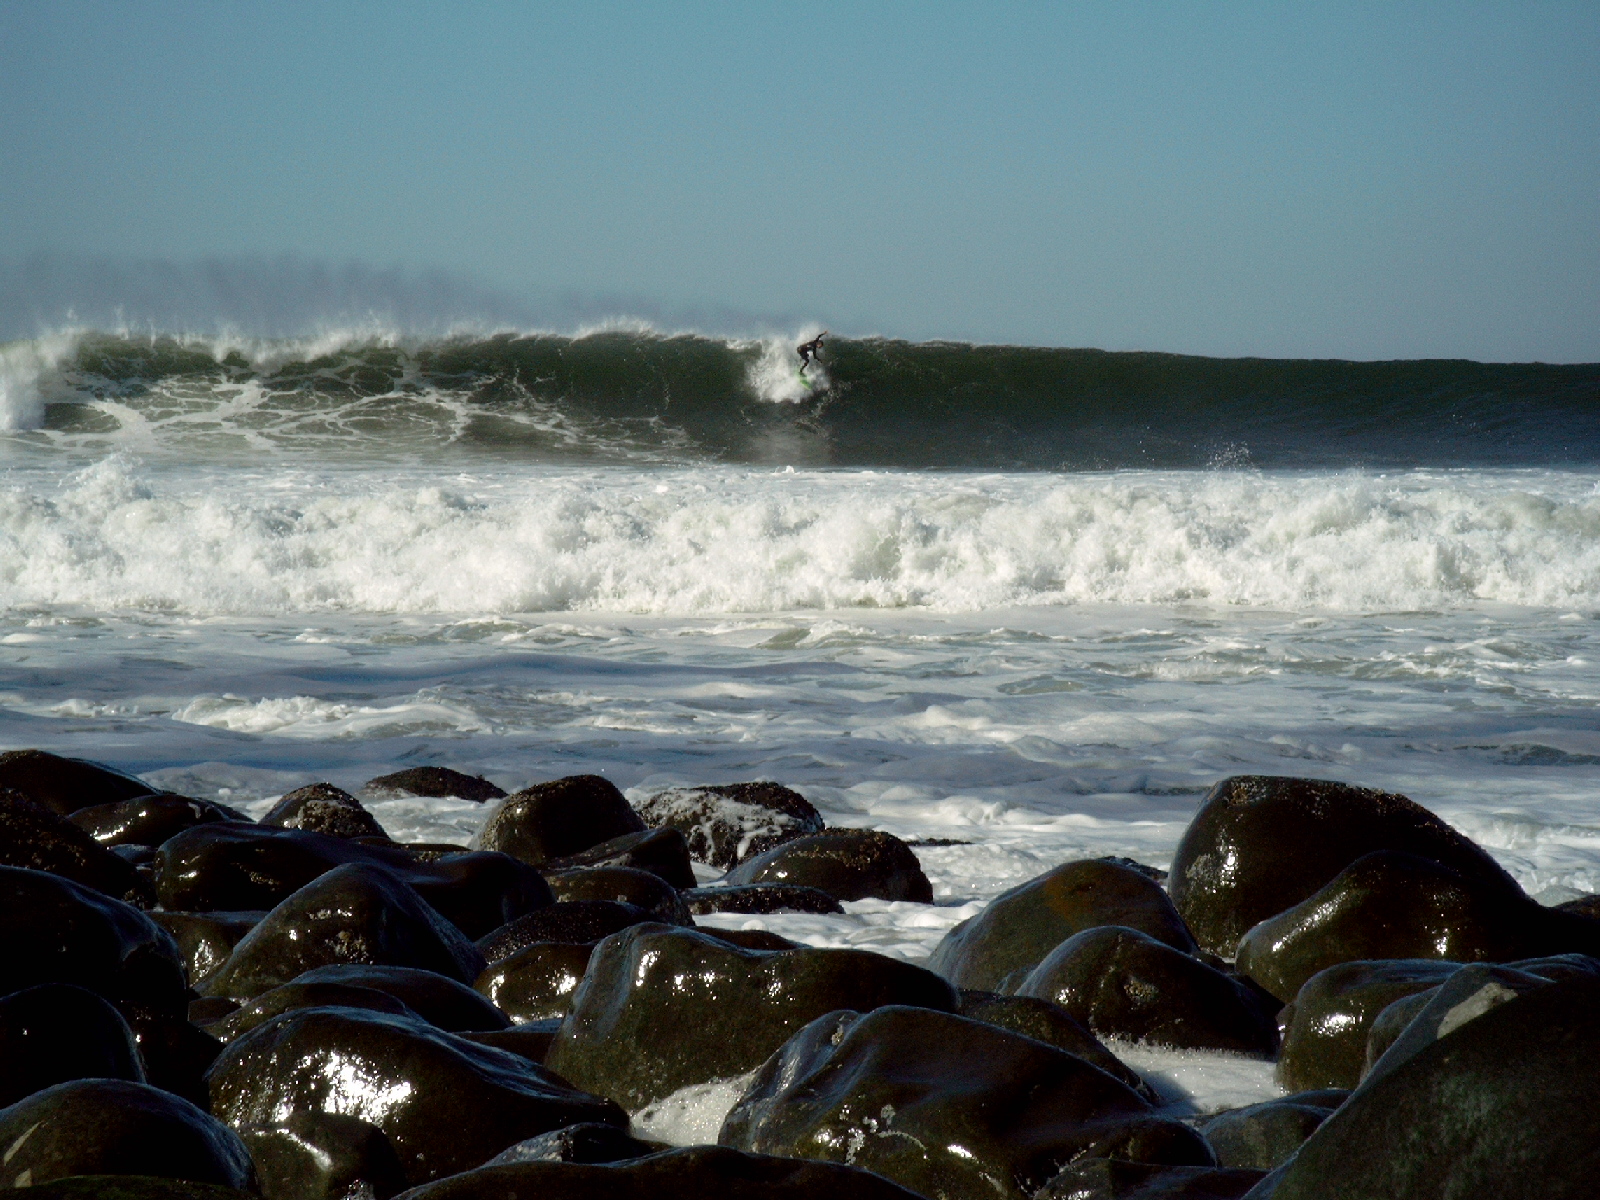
147,820
696,1173
1263,1136
432,782
1583,906
944,1105
1389,905
324,1156
847,864
453,1007
662,1007
208,1009
176,1053
1125,984
292,996
353,914
1021,926
115,1127
624,885
752,939
1261,844
206,939
578,922
132,1187
760,899
323,808
446,1104
1118,1179
36,838
728,823
225,867
530,1041
1391,1023
537,982
589,1143
64,785
1500,1107
1054,1026
1325,1028
661,852
558,819
56,1032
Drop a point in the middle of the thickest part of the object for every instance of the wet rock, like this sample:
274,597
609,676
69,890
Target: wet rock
445,1103
1262,1136
847,864
1388,905
752,939
64,785
1391,1023
353,914
453,1007
324,1156
1495,1108
1261,844
132,1187
589,1143
1054,1026
56,1032
33,837
1118,1179
661,852
323,808
530,1040
696,1173
479,891
944,1105
291,996
558,819
1325,1029
760,899
662,1007
728,823
206,939
578,922
176,1054
623,885
1021,926
1583,906
432,782
208,1009
148,820
536,983
1125,984
116,1127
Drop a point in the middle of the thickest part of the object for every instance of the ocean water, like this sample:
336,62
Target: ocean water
1022,605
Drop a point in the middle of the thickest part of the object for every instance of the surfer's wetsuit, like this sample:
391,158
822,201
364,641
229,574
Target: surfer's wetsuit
807,349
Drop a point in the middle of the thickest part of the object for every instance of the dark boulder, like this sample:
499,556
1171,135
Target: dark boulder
588,1143
728,823
578,922
1263,1136
1390,1023
56,1032
661,852
1125,984
35,838
148,820
1054,1026
1119,1179
323,808
847,864
432,782
753,939
530,1040
353,914
324,1156
478,891
623,885
1019,927
1325,1028
560,818
1502,1106
1389,905
291,996
206,939
944,1105
445,1103
115,1127
133,1187
1262,843
760,899
453,1007
696,1173
64,785
537,982
176,1054
662,1007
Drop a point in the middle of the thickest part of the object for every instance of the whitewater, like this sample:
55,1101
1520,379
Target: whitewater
1012,624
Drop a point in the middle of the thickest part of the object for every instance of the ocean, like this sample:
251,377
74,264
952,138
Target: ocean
1017,605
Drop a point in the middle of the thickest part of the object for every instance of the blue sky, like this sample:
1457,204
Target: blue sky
1350,180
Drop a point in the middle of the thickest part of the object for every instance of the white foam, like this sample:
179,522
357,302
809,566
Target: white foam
775,376
691,1116
24,369
1193,1082
307,717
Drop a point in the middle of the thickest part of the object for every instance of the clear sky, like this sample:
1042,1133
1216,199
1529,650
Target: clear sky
1330,179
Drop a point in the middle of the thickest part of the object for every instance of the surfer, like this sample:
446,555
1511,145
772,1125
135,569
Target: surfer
809,350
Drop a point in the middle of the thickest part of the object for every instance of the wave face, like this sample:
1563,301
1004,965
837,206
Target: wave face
637,395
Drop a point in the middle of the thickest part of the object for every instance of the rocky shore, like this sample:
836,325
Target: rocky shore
197,1005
